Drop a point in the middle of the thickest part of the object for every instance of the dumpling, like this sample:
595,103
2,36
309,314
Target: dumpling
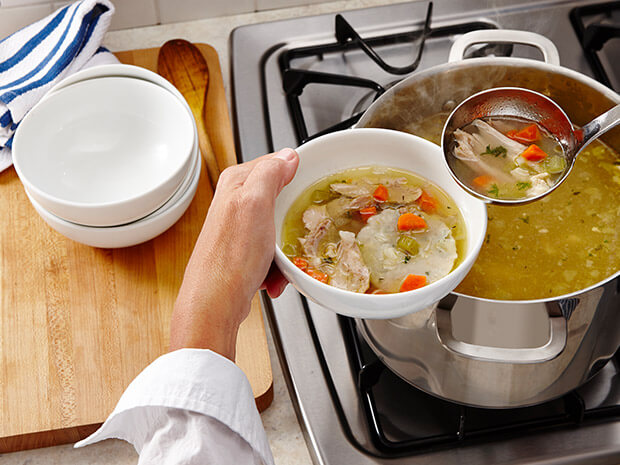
388,264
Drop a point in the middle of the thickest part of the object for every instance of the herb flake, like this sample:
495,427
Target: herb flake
496,151
523,185
494,190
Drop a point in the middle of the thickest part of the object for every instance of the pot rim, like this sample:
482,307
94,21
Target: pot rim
513,62
510,61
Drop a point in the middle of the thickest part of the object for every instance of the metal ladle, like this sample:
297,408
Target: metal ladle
526,104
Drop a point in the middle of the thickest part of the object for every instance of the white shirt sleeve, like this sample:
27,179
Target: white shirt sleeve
189,407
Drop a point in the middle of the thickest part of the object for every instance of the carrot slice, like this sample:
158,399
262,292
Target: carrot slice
367,212
526,135
534,153
427,203
412,282
483,181
381,193
319,275
409,221
300,263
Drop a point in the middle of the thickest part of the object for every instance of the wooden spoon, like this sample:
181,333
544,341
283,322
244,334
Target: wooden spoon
181,63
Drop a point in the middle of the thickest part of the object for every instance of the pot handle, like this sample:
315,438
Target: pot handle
554,346
505,36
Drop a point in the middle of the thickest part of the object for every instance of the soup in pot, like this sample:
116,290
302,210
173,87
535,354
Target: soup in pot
559,244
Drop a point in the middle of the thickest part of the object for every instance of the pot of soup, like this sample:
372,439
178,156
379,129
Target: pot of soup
539,312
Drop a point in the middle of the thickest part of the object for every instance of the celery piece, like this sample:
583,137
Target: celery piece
408,244
290,250
320,196
555,164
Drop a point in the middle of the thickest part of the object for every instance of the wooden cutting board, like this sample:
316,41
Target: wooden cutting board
77,323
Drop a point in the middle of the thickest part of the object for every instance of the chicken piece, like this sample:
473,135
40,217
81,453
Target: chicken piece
354,189
521,174
342,205
400,192
541,183
317,222
349,272
470,146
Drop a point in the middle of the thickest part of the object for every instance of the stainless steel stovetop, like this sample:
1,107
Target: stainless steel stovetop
314,349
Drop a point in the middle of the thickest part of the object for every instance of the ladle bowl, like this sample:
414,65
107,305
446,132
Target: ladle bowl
516,102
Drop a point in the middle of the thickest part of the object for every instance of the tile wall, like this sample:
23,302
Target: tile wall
15,14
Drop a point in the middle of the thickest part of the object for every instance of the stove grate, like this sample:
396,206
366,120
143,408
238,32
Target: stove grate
594,36
294,80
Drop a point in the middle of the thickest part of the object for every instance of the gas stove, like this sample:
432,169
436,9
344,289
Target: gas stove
299,78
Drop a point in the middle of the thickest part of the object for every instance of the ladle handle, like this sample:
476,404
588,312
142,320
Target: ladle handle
597,127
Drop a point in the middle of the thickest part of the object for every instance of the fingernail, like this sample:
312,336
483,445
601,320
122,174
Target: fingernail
285,154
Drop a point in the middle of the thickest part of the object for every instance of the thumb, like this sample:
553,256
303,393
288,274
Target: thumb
270,175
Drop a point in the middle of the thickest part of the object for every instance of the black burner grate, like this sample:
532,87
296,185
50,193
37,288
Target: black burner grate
594,34
294,80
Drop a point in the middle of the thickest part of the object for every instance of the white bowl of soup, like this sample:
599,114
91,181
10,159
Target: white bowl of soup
374,226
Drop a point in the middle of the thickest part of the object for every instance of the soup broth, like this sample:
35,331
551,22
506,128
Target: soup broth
374,230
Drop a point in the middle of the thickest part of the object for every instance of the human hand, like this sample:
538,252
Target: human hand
233,255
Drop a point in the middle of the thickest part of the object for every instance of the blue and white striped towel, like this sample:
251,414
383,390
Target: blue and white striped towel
35,58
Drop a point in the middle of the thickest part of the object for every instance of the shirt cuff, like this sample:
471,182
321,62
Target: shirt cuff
197,380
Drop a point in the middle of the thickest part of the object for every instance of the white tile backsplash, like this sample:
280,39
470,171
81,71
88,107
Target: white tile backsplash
10,3
129,13
15,14
14,18
134,13
171,11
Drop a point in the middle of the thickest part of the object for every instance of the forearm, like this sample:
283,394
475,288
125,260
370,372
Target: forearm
206,322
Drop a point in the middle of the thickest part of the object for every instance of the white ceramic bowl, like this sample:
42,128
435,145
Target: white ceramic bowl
117,70
105,151
133,233
362,147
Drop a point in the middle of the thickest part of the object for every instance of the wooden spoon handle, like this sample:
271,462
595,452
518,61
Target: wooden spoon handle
207,151
182,63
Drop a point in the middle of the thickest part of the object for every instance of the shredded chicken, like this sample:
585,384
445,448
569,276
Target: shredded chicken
470,146
317,221
541,183
342,205
350,272
356,189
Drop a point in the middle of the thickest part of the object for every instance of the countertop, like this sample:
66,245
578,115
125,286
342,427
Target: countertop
280,421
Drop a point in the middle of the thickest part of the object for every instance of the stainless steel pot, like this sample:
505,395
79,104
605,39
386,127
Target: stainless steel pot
580,331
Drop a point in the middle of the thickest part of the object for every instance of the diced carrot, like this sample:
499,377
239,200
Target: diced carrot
483,181
300,263
319,275
427,202
413,281
367,212
526,135
409,221
534,153
381,193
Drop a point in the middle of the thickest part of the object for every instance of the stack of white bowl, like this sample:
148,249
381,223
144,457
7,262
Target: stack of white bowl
109,157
